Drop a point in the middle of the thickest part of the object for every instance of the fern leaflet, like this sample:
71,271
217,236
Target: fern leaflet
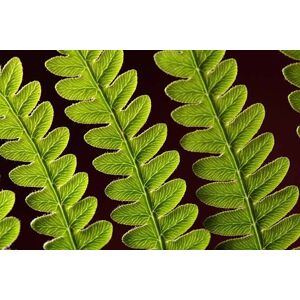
292,75
24,124
252,216
9,226
103,99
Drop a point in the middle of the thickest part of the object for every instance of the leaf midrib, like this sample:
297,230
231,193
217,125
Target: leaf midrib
153,217
232,155
44,168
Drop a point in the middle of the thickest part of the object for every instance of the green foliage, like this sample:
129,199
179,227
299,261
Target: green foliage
292,75
25,125
9,226
159,223
252,216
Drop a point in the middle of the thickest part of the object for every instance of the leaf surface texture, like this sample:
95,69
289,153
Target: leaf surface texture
25,125
252,211
151,202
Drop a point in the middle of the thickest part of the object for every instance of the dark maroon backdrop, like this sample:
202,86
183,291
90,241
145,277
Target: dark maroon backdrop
259,70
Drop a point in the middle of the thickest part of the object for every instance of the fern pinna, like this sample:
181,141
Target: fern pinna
24,125
292,75
253,216
159,222
9,226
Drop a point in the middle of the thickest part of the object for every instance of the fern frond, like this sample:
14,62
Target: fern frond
252,216
9,226
25,125
292,75
103,99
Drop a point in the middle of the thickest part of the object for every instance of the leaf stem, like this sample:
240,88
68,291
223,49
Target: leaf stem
232,156
46,171
160,239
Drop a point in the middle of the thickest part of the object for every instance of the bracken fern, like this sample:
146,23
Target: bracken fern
25,124
242,186
9,226
159,222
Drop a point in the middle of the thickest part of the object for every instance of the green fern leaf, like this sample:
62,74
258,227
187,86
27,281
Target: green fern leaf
253,214
25,125
104,99
9,226
292,75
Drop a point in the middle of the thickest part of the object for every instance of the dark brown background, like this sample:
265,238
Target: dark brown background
259,70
